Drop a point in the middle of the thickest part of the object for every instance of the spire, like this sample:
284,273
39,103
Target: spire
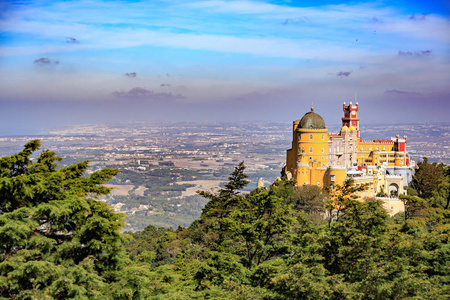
312,108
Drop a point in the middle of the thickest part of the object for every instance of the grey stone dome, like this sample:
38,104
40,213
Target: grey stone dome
311,120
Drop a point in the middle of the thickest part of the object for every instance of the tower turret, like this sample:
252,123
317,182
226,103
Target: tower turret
351,117
309,149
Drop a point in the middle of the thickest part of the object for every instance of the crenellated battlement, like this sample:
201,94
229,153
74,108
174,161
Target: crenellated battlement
311,129
386,142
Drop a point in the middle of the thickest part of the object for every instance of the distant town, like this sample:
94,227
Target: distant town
164,163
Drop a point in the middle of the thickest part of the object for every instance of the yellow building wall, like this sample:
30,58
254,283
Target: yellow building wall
393,206
313,145
319,175
290,163
292,154
303,175
381,153
370,183
309,152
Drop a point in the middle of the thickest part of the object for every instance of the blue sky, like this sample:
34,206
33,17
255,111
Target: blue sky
65,62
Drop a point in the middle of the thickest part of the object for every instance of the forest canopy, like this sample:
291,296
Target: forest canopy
58,242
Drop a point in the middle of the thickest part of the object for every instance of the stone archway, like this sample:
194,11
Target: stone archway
393,189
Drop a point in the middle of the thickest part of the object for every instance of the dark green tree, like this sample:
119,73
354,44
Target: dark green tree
338,196
260,227
414,206
56,240
221,203
426,179
441,195
213,227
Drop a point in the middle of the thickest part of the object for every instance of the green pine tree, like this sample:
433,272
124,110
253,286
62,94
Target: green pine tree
57,240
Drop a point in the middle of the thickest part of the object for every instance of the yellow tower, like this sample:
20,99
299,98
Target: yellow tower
307,160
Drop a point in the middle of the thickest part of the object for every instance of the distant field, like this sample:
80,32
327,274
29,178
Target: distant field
140,190
120,190
199,185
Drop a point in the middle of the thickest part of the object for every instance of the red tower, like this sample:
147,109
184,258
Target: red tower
351,116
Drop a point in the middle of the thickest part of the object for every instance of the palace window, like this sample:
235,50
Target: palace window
318,183
384,148
323,136
323,150
378,148
310,137
332,178
310,150
362,148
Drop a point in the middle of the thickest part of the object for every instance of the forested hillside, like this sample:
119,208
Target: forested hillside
58,242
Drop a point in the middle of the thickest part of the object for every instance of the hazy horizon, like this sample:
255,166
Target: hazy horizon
67,62
333,127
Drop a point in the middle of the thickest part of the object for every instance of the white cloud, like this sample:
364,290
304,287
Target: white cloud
306,55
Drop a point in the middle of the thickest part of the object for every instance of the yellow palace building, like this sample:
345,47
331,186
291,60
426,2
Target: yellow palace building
322,159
